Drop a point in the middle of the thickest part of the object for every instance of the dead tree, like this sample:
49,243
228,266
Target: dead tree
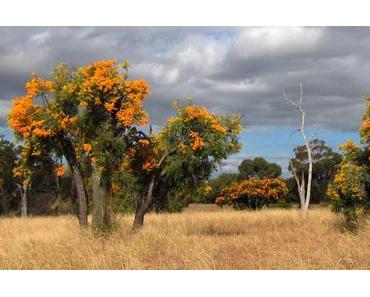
304,193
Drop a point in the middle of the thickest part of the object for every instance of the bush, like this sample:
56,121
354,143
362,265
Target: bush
218,184
253,193
348,195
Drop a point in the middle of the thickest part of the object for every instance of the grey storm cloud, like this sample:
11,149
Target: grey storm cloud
228,69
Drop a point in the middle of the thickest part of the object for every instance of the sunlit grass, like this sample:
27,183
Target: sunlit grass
199,238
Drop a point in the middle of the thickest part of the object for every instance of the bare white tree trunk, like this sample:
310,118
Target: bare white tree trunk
300,185
304,195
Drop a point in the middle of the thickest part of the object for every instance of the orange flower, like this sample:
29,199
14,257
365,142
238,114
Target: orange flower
37,86
197,142
115,187
102,76
219,200
17,172
110,105
216,126
24,116
197,113
349,145
150,165
87,147
143,120
131,112
207,190
59,171
143,142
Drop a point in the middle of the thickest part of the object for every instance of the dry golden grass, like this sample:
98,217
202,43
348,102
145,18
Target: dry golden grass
194,239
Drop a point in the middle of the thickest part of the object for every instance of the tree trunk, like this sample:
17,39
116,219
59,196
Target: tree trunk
108,207
143,205
102,201
54,207
23,191
3,205
309,181
81,192
97,217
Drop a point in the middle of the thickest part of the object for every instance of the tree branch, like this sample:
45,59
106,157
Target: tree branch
290,100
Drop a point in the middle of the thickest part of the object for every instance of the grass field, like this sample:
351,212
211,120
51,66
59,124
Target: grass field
199,238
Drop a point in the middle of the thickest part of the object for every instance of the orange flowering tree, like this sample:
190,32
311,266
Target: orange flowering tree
111,106
253,193
350,189
31,123
84,115
181,156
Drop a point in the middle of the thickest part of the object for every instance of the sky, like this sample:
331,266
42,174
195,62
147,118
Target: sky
227,69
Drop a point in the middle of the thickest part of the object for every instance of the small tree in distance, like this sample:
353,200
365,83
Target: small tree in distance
324,165
258,168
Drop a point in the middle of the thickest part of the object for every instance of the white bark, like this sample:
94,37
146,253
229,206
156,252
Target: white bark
304,193
300,185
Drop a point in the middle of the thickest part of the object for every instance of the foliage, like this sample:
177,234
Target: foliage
126,191
202,141
217,184
83,114
324,163
350,189
292,190
348,194
89,115
184,154
8,158
79,105
365,124
253,193
109,106
258,168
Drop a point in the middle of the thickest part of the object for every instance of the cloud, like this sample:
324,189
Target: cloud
231,69
227,69
159,72
4,110
40,38
276,42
